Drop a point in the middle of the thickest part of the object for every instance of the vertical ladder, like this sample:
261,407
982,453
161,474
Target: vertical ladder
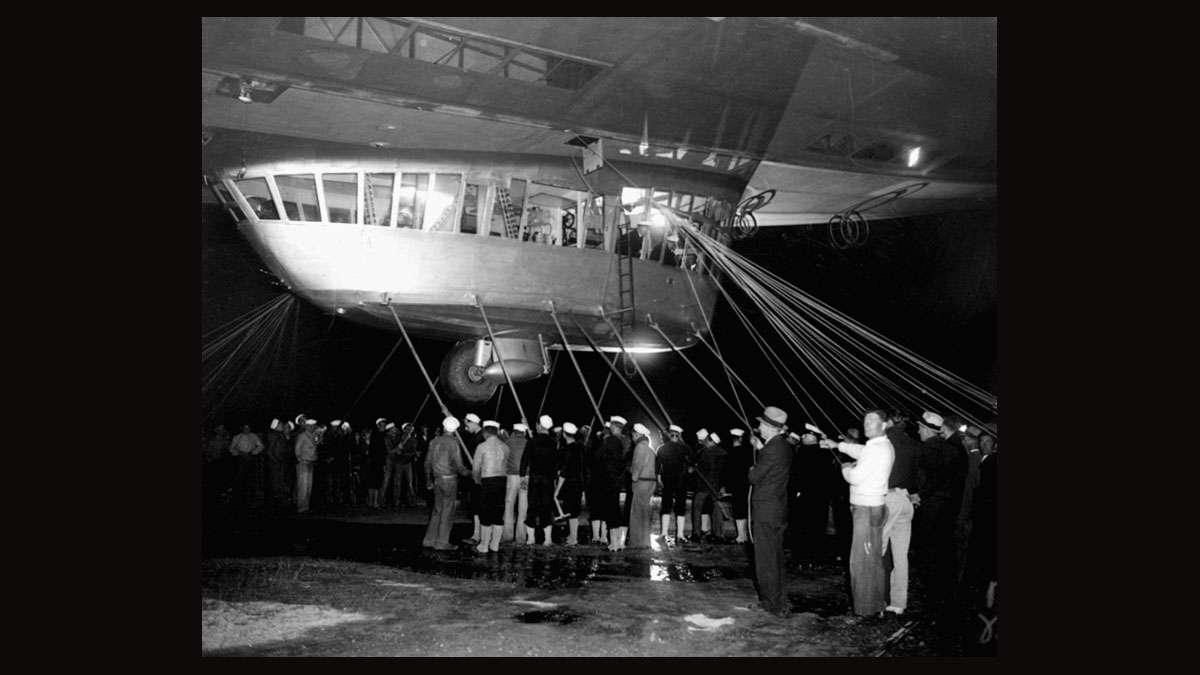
512,222
625,287
369,203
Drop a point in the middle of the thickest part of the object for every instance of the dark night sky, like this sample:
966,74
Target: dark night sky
927,283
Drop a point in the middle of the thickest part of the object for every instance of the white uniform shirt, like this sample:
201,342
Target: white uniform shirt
868,478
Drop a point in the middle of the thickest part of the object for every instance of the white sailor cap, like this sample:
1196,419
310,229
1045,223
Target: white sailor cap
345,426
472,417
380,420
932,420
450,424
491,423
640,428
299,419
545,421
714,438
335,423
675,429
569,429
794,436
390,426
702,434
737,432
275,423
309,422
520,426
291,426
617,419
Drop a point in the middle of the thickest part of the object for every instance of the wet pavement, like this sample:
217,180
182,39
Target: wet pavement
633,602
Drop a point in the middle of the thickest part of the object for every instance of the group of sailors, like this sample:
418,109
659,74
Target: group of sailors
300,463
935,496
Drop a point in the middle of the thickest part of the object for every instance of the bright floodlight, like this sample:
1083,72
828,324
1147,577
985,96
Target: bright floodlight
914,156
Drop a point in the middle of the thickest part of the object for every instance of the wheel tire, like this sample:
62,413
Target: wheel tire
456,376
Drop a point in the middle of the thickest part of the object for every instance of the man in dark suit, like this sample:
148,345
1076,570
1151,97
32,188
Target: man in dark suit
768,509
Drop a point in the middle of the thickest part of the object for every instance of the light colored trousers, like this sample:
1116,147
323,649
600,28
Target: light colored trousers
516,504
897,534
304,475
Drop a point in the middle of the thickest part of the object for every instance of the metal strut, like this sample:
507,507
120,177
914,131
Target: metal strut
637,368
503,368
613,368
650,322
432,389
562,334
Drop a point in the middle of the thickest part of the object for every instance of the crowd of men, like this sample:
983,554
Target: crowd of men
888,501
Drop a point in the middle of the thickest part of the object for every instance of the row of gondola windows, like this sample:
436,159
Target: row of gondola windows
423,201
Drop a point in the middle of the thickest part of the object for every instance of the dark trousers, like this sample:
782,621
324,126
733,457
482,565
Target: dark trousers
706,502
769,525
445,500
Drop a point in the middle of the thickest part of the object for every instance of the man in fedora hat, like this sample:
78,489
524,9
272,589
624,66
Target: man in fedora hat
768,509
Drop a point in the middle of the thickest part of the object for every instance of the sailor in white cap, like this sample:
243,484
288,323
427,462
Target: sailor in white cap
945,467
516,494
443,467
391,483
539,465
377,461
611,480
277,464
570,481
672,463
306,455
472,435
710,464
644,480
488,470
737,481
768,509
335,423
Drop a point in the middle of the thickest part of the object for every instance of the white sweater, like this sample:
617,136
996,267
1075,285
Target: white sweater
868,478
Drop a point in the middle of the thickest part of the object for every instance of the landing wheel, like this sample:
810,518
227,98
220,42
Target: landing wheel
462,379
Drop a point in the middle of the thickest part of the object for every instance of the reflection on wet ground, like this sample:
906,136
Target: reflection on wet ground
399,545
560,616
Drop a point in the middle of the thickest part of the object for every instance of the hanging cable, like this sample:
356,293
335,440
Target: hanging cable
638,368
688,361
579,371
613,369
346,415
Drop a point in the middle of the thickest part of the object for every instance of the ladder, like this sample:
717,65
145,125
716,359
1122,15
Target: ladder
369,204
512,222
625,292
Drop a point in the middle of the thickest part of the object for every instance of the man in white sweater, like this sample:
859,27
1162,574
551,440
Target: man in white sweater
868,479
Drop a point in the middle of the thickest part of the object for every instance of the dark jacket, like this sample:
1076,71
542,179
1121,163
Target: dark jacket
541,456
769,475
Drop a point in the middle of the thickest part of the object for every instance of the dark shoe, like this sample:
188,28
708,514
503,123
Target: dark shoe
444,547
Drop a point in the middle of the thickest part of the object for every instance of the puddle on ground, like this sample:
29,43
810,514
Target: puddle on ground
559,615
399,545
